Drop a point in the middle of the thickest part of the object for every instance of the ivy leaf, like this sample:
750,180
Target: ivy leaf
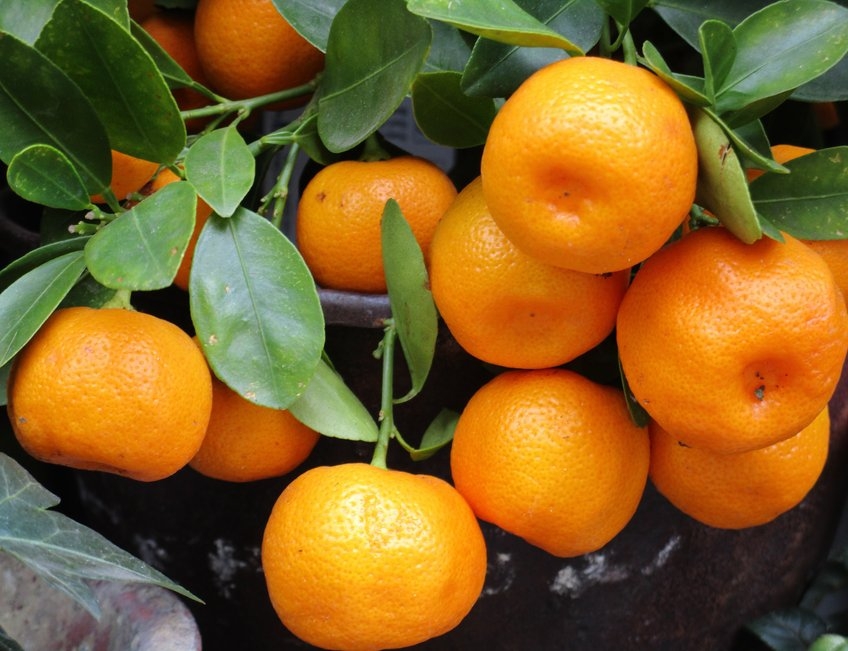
329,406
722,184
413,309
142,249
803,39
437,435
28,302
119,77
44,175
497,69
791,628
221,168
31,90
255,309
58,549
448,116
811,202
310,18
375,49
504,21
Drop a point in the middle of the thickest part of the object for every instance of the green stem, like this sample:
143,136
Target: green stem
628,46
250,104
280,192
373,149
122,299
387,354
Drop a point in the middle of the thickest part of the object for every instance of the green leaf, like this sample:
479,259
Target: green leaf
329,406
448,116
504,21
142,249
722,184
718,49
37,257
26,19
685,87
58,549
497,69
811,202
310,18
4,381
830,642
27,303
413,309
622,11
437,435
376,48
170,69
220,166
448,50
119,77
803,39
40,105
788,629
832,86
255,309
44,175
685,17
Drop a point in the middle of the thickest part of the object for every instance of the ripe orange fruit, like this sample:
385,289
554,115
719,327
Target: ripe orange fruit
340,210
201,216
361,558
590,165
734,491
129,175
732,346
552,457
247,49
174,31
112,390
245,441
508,308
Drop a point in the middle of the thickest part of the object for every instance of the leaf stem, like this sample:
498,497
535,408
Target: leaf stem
279,194
387,353
122,299
251,103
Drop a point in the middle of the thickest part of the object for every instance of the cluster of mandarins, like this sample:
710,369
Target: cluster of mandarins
568,237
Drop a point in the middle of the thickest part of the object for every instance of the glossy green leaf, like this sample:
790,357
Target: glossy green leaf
437,435
170,69
5,370
311,18
142,249
802,39
117,10
811,202
497,69
413,309
255,309
88,293
120,79
832,86
221,168
722,185
789,628
686,88
505,22
40,105
58,549
718,49
376,48
37,257
329,406
685,16
622,11
25,19
27,303
44,175
448,50
448,116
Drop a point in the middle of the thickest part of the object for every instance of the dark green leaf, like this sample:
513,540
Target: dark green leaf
221,168
832,86
170,69
448,50
58,549
376,48
27,303
718,48
7,643
413,309
311,18
142,249
437,435
119,77
255,308
448,116
722,184
330,407
830,579
686,88
623,11
88,293
792,629
40,105
496,69
811,202
117,10
755,110
685,16
26,19
44,175
4,381
505,22
37,257
803,39
305,134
